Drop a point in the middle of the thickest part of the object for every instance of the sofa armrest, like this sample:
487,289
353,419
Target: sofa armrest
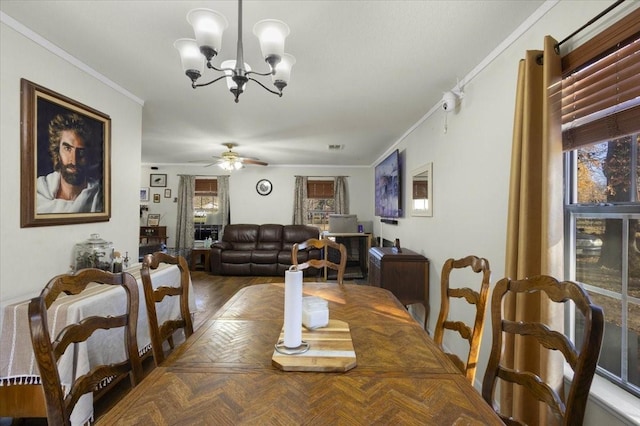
222,245
215,256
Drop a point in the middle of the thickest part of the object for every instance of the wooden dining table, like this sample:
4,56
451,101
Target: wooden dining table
224,373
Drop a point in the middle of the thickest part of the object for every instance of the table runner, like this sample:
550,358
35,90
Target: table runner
17,360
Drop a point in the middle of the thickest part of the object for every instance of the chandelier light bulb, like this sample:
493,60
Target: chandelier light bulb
190,56
283,71
271,34
228,66
208,26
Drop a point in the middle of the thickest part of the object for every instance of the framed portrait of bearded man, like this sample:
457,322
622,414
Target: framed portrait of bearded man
65,166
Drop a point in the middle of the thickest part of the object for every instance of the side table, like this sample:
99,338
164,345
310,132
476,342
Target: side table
200,254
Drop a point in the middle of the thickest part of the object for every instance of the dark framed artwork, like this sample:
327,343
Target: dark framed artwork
156,198
65,160
158,180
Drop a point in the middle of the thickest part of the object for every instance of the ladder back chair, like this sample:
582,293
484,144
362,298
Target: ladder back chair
473,335
153,296
324,245
61,397
569,410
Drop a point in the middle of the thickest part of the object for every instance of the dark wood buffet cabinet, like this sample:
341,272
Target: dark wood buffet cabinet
153,235
404,273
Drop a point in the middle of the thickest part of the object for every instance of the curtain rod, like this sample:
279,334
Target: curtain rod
319,176
594,19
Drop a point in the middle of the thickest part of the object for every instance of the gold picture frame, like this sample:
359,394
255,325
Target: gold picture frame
62,188
153,219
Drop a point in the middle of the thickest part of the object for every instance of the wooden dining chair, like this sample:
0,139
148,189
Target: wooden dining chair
569,410
324,245
60,396
472,334
156,294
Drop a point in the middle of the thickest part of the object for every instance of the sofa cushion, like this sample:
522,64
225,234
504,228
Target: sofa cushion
236,256
241,236
264,256
284,257
269,237
292,234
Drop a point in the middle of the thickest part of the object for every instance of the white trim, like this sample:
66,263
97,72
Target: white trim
613,399
36,38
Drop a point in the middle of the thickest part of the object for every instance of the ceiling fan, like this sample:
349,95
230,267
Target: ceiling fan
231,160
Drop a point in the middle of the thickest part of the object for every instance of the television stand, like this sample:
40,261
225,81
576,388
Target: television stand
360,259
404,273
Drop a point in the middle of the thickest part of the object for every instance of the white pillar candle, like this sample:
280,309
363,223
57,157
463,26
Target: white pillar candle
292,309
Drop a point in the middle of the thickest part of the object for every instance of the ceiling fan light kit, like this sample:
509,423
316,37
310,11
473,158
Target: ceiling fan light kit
208,26
231,160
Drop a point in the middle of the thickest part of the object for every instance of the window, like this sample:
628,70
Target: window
205,208
601,139
320,203
603,229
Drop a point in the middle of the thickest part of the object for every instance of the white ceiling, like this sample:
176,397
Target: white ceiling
366,71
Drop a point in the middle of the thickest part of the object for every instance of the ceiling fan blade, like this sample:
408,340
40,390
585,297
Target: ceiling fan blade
254,161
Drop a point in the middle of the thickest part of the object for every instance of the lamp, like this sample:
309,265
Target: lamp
208,26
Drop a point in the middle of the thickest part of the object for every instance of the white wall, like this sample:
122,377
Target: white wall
29,257
471,163
247,206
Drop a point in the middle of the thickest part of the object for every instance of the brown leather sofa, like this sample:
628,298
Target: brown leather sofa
260,250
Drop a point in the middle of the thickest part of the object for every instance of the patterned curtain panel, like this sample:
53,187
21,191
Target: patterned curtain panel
299,197
184,225
341,195
223,200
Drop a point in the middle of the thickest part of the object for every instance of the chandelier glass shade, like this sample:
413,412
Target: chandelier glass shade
230,165
208,27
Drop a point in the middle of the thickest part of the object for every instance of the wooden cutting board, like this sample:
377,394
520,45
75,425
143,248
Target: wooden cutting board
331,350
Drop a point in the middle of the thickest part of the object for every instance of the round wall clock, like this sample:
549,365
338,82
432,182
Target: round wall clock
264,187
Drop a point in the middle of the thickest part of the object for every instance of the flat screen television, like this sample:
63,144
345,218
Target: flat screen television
388,187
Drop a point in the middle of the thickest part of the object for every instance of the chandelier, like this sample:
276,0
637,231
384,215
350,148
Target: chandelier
208,26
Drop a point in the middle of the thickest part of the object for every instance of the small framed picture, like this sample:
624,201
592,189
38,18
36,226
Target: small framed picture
153,219
158,180
144,194
167,193
156,198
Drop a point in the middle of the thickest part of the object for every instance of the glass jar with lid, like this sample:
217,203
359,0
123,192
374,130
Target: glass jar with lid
93,253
